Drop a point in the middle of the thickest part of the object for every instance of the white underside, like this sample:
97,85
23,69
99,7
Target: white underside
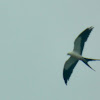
76,55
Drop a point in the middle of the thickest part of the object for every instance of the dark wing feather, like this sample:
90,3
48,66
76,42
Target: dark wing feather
68,68
81,39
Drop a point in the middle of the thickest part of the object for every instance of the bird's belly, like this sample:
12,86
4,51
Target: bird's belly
77,56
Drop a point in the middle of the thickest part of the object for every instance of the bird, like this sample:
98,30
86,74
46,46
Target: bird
76,54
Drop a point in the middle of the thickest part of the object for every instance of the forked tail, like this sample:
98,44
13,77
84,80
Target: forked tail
89,59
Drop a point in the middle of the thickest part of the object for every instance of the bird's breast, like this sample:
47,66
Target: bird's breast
76,55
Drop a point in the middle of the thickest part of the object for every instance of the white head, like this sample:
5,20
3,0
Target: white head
69,53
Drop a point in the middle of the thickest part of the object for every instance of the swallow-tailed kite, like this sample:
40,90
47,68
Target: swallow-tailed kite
76,54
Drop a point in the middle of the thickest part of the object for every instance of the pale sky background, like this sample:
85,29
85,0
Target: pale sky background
35,37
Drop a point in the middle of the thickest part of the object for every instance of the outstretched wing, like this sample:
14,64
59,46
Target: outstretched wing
68,68
81,39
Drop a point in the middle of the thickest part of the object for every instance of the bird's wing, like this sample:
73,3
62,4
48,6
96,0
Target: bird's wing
68,68
81,39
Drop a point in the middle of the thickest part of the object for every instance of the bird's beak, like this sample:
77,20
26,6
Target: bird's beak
67,53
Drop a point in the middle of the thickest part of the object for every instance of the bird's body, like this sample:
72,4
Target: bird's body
76,54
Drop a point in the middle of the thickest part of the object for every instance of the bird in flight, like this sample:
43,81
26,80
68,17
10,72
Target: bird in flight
76,54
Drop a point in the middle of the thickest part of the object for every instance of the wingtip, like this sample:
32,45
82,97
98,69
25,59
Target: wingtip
90,28
66,83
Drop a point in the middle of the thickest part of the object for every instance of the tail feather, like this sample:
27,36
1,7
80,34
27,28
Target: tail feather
89,66
89,59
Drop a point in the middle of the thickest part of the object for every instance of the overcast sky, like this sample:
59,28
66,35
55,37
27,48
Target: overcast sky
35,37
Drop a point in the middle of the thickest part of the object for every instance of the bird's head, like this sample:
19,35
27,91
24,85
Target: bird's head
69,53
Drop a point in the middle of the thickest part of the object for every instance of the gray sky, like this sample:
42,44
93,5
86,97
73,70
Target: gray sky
35,36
